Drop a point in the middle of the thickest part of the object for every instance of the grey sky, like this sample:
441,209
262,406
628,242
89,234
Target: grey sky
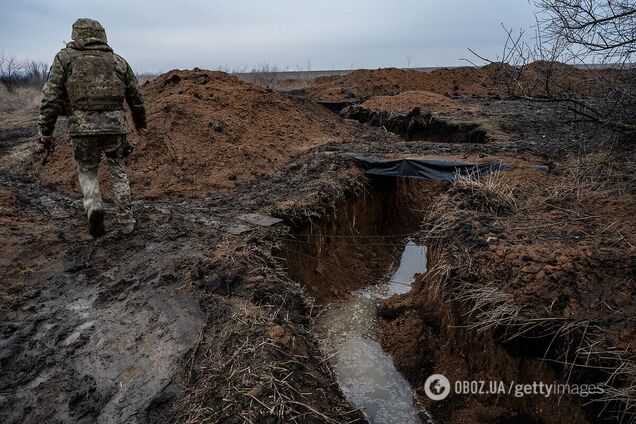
321,34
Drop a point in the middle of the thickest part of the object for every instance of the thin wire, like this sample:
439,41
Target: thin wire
409,284
402,283
344,244
360,235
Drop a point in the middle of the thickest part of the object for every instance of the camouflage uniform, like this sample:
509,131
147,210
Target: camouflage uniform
89,83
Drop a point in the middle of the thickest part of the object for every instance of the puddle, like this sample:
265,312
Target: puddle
365,373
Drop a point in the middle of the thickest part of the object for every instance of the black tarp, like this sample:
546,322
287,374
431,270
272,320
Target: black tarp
426,169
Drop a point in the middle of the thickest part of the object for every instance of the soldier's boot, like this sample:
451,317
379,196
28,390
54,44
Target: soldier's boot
92,198
121,193
96,223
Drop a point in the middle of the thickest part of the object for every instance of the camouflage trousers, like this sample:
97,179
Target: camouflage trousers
87,151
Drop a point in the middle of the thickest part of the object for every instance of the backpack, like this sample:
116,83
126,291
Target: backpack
93,82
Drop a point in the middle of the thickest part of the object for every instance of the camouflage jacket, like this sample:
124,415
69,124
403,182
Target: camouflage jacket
55,100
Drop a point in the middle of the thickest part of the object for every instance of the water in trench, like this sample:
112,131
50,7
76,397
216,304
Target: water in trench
365,373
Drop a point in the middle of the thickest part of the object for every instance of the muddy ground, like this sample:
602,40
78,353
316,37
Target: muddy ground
200,316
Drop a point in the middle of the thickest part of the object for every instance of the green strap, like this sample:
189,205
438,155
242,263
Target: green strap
65,59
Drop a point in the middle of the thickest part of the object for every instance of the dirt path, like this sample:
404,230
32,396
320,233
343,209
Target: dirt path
91,328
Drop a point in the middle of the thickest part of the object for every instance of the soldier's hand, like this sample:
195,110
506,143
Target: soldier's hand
141,131
47,142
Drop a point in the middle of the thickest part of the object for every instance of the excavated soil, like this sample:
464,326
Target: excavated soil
425,100
490,80
200,316
422,115
364,84
210,131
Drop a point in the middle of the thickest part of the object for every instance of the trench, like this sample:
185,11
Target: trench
418,125
366,374
382,347
350,262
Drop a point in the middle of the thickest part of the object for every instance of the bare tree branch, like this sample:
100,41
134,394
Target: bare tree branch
15,73
597,37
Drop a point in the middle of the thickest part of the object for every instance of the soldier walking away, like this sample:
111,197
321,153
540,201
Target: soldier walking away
89,83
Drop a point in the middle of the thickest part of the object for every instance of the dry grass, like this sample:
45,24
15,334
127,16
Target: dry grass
444,215
494,192
581,184
623,397
271,76
320,198
589,350
436,279
18,123
489,306
591,176
260,379
22,100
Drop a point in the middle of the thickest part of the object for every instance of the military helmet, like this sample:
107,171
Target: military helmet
88,28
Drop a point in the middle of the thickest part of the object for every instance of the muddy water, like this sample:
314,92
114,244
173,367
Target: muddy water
366,374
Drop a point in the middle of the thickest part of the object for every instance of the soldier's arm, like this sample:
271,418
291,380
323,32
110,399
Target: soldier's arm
135,99
54,95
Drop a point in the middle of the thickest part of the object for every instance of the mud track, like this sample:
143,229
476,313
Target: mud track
113,330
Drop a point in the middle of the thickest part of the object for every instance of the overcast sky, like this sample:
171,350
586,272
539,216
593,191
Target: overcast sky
319,34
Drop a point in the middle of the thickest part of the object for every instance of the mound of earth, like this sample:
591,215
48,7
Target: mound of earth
492,79
365,83
210,131
424,115
425,100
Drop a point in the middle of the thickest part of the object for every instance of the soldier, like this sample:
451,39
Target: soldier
89,83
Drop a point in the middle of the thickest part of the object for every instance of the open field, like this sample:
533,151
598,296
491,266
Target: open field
204,315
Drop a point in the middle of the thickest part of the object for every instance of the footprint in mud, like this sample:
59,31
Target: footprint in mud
79,258
75,335
117,291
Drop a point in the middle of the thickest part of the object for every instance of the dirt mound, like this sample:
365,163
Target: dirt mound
425,100
366,83
492,79
210,131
